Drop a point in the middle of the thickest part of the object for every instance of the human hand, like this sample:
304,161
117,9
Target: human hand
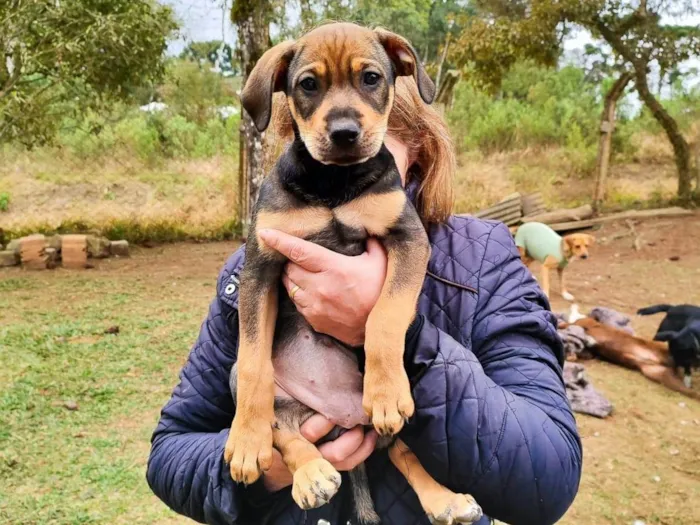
335,293
344,453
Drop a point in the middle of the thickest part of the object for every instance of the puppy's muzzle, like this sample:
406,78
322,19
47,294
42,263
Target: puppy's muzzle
344,132
584,256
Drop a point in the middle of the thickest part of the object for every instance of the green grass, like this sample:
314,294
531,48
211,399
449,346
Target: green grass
86,466
136,231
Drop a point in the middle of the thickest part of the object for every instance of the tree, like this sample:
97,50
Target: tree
252,19
216,53
508,31
52,53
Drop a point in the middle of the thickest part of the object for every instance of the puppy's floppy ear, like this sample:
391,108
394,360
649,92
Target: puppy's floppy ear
590,239
567,244
268,75
406,62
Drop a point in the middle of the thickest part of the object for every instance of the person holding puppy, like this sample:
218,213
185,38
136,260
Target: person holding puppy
483,359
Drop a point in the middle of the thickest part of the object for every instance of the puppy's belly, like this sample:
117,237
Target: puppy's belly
322,374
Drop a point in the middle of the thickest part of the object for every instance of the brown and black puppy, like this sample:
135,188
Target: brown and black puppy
651,358
336,185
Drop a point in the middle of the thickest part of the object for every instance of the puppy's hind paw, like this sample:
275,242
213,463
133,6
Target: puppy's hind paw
455,509
567,296
315,483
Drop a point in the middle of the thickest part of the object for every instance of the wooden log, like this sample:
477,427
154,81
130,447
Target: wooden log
635,214
533,204
119,248
74,251
510,220
562,215
97,247
32,252
8,258
506,206
51,257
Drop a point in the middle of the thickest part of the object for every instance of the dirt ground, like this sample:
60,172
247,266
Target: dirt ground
642,463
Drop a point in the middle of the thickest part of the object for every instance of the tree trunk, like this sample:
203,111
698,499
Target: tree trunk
607,126
438,78
696,174
252,19
307,14
681,149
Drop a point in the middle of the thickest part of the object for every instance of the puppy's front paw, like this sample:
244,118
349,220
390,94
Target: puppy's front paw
567,296
249,450
315,483
453,509
388,402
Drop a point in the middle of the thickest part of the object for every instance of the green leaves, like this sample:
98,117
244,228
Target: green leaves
94,49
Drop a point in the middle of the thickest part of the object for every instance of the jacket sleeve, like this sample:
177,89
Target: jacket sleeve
186,468
493,420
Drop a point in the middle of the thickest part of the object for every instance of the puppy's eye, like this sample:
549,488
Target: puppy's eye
309,84
370,78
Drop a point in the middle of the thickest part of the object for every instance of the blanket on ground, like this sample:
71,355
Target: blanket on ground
584,398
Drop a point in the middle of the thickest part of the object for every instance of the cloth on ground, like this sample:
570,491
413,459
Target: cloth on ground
612,318
583,397
576,341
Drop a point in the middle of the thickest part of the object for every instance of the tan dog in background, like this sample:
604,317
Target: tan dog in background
539,242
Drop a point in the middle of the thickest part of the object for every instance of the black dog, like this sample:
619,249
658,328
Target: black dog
681,329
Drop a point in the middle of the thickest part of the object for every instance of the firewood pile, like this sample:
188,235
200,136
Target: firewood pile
39,252
517,209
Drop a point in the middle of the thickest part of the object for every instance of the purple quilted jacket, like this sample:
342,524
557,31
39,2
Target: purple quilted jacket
492,418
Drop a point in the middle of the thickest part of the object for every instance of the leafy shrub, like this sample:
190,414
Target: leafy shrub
4,201
537,107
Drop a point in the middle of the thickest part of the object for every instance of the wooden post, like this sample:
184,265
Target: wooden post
444,54
607,126
252,19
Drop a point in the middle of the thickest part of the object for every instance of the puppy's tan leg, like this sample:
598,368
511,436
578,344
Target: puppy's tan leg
523,255
387,398
249,444
390,217
441,505
544,279
562,285
667,377
315,480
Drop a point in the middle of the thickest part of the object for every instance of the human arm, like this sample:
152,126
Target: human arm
186,468
493,420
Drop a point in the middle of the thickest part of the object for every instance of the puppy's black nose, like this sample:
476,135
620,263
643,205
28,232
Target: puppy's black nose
584,257
344,131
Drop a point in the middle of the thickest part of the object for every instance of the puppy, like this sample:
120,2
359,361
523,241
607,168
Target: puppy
651,358
336,185
539,242
681,329
677,317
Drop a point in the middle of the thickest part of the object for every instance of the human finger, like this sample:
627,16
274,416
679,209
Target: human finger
296,293
369,443
340,449
316,427
306,254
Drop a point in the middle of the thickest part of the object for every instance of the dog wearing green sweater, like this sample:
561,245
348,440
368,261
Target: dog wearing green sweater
539,242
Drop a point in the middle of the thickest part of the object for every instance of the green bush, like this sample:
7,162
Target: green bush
536,108
4,201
